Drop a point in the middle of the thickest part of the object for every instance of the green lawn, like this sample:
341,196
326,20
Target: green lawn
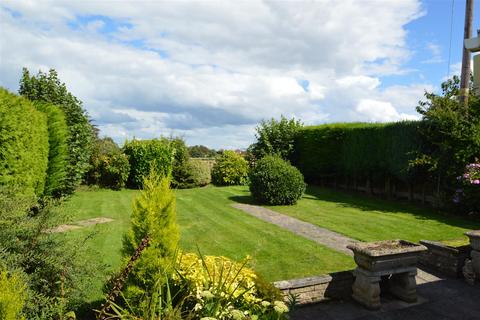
206,220
369,219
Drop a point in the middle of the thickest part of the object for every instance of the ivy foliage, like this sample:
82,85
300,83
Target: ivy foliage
47,87
24,147
143,154
275,137
230,169
56,180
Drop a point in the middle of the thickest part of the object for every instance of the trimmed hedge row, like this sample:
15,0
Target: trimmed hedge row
24,147
358,150
143,153
58,160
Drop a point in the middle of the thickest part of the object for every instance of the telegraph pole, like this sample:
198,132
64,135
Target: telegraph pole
467,33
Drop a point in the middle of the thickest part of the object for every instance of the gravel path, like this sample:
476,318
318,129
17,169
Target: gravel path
307,230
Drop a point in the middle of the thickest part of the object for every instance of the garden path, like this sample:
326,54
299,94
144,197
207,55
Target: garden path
307,230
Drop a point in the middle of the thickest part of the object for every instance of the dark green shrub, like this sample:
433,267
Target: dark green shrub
113,170
23,145
201,152
360,150
276,182
181,175
142,154
46,87
275,137
109,166
56,183
54,265
201,172
230,169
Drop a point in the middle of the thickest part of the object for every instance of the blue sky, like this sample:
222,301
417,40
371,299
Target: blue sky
210,71
429,39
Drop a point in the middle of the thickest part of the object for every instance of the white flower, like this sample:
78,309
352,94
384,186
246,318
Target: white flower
237,314
265,304
207,294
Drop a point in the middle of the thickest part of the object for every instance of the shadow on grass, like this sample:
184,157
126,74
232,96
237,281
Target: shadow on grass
364,202
85,310
245,199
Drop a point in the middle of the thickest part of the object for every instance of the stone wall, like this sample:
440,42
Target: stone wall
336,285
444,259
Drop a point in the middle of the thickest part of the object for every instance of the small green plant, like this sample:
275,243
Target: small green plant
12,295
274,181
230,169
154,214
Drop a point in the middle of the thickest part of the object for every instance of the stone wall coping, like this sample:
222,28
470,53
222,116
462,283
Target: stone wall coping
440,245
473,233
311,281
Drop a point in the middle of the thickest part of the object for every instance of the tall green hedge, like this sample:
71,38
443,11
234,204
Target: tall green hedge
47,87
56,181
23,145
143,153
360,150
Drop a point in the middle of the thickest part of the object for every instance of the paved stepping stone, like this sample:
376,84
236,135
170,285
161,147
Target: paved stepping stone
79,224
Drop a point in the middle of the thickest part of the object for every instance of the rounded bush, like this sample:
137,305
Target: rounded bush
201,172
274,181
230,169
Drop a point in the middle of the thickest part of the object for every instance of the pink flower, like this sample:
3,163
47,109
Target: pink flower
477,181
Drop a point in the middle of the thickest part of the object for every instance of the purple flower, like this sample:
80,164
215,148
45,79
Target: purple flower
477,181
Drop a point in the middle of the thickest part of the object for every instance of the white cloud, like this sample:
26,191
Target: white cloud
380,111
211,70
436,53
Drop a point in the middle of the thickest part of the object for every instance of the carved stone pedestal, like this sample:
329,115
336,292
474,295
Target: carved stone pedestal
393,261
366,289
404,286
474,237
